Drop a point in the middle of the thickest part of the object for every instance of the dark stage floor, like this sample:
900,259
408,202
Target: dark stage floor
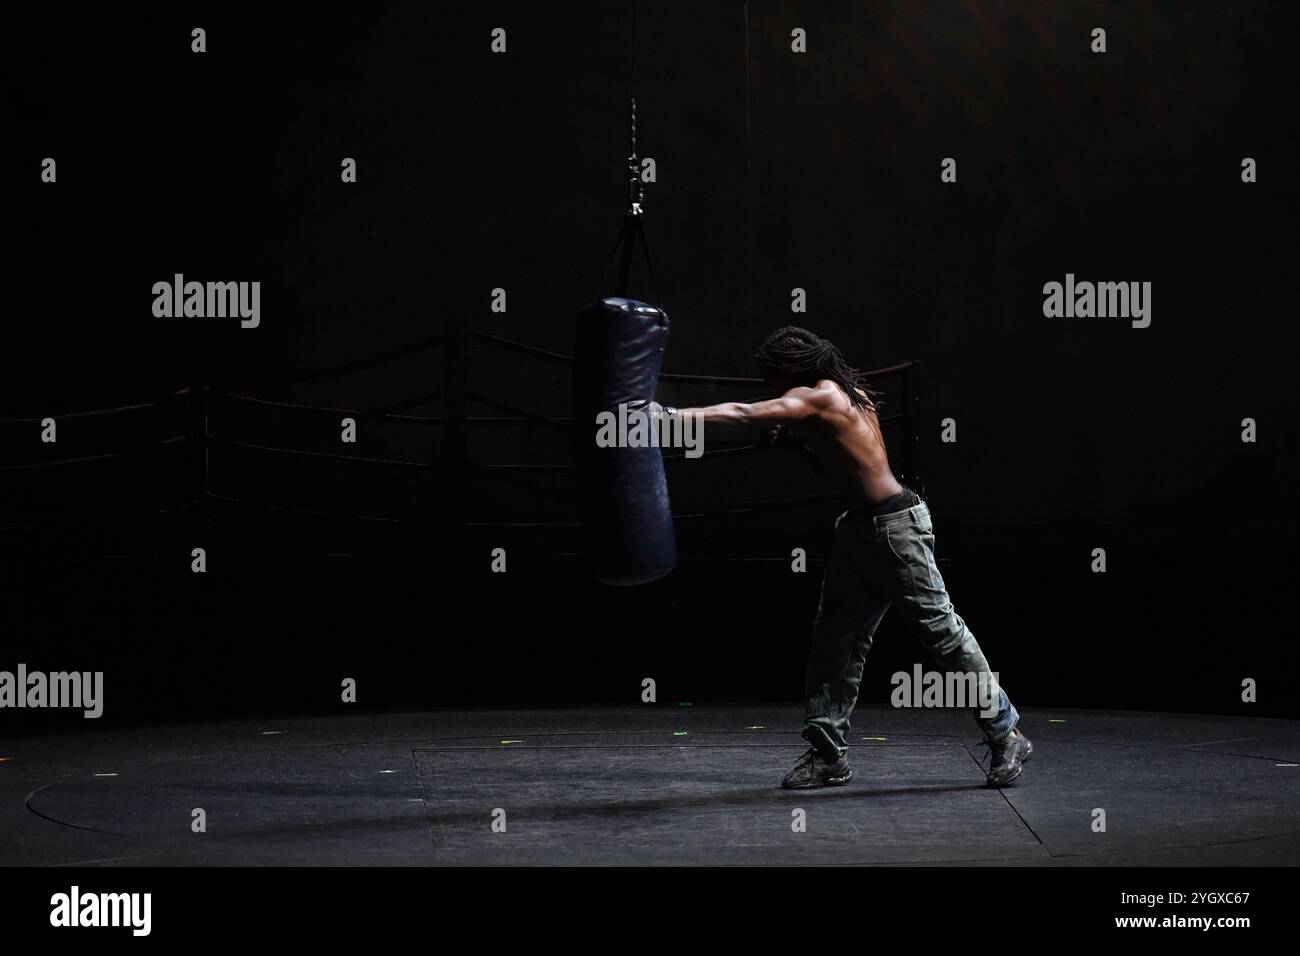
694,785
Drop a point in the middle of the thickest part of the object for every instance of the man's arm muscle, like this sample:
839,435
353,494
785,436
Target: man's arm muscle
796,404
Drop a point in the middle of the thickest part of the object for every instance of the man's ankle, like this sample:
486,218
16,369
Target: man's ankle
821,742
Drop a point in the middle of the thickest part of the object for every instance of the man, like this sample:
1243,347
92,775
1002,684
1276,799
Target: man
882,553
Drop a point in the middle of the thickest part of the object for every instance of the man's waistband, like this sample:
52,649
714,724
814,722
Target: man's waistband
907,498
902,508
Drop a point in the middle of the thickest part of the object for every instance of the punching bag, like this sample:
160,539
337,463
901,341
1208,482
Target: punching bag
623,493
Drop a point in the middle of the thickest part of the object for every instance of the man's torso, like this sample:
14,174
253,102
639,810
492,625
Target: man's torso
849,443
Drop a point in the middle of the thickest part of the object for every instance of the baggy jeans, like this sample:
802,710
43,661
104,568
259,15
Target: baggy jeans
876,561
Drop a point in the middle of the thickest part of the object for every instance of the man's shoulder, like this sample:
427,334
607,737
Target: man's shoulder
835,398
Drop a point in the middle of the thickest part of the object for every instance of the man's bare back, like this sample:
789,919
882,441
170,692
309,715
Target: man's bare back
846,439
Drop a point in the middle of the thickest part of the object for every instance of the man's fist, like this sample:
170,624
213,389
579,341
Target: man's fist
656,411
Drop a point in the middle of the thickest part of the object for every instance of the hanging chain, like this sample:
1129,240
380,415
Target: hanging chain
635,187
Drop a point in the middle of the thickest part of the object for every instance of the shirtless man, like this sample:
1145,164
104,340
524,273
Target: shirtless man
882,553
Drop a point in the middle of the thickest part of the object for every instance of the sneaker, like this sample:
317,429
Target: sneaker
814,771
1007,757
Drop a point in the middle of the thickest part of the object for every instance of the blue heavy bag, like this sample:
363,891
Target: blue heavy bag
623,494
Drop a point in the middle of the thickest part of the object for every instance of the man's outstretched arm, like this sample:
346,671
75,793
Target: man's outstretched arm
794,405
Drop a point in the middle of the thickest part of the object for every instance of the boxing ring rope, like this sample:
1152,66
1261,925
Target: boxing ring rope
353,366
198,441
119,452
287,509
376,413
92,413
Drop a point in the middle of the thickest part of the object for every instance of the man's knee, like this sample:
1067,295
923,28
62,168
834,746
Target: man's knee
945,633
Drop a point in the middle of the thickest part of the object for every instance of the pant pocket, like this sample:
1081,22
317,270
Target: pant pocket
913,550
899,547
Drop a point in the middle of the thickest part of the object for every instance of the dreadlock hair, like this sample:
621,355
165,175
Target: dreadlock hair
798,353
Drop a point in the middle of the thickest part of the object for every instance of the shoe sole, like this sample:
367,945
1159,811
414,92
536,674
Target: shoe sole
839,781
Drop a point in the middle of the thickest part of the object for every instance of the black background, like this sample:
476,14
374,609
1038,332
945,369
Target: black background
775,171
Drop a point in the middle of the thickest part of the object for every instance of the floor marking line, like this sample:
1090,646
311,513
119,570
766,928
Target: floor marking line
1007,800
1209,743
